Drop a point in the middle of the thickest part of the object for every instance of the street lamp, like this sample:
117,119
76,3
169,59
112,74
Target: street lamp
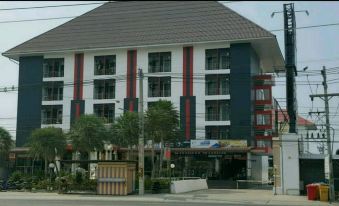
172,167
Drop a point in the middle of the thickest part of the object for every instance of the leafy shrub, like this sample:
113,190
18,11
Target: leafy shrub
78,181
160,184
42,184
16,177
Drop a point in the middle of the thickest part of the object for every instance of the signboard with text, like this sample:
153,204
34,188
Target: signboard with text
210,143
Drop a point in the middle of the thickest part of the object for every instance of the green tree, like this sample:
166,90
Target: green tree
6,143
162,126
126,130
88,133
47,143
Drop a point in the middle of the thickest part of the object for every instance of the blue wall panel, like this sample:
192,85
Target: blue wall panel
29,97
244,65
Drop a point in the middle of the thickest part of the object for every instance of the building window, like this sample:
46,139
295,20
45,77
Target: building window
53,67
217,132
159,62
104,65
217,84
217,59
104,111
262,94
52,91
104,89
51,114
263,119
217,110
159,86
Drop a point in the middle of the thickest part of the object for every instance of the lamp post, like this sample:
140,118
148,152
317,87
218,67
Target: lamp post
51,167
172,167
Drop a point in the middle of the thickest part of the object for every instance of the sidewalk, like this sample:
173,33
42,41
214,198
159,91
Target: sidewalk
234,197
251,197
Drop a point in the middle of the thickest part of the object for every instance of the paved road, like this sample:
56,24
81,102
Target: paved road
98,203
198,198
4,202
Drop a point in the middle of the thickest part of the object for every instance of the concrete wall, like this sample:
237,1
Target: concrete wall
290,184
182,186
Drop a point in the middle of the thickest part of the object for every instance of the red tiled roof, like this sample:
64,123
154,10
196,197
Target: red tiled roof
300,120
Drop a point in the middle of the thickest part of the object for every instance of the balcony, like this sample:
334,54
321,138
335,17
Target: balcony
217,59
104,89
52,91
159,86
217,110
264,80
105,65
105,112
217,132
51,114
53,68
217,84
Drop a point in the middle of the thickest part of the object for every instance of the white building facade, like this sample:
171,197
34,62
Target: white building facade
214,65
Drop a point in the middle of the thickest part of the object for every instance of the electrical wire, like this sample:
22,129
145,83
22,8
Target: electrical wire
50,6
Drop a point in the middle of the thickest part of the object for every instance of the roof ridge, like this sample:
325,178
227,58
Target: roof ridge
144,23
235,13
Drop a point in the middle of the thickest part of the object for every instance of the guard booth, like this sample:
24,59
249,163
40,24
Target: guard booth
116,177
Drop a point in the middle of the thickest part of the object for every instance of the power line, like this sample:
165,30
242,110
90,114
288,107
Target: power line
42,19
49,6
311,26
16,21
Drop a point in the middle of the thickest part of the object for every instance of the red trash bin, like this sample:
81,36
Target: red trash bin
312,191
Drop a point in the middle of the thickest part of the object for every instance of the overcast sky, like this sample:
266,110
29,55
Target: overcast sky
316,47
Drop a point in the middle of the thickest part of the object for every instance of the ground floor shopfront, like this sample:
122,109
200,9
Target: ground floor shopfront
210,163
227,164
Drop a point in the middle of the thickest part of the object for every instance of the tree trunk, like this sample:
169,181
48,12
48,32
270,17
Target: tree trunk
46,166
33,166
128,152
153,154
161,156
56,168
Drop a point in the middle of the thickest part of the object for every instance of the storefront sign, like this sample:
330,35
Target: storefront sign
167,153
214,156
218,143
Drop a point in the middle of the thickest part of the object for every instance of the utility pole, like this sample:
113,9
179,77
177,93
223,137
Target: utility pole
141,158
326,98
329,149
290,62
290,65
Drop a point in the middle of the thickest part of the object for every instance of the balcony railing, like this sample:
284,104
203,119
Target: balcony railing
217,117
52,120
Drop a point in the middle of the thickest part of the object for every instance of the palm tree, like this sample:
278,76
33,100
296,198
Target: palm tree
6,143
88,133
126,130
162,125
47,143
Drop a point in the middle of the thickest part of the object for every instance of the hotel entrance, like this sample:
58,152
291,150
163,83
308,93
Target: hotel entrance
212,163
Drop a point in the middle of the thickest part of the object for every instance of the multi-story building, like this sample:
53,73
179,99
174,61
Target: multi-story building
205,58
